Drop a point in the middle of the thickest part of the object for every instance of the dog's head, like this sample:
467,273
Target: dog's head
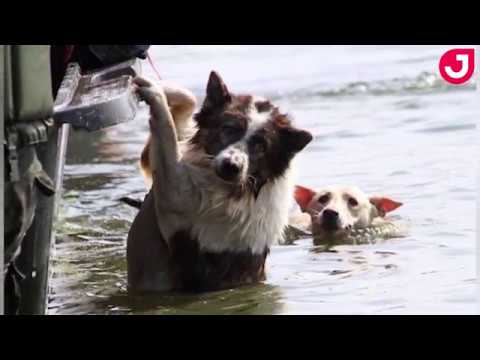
337,209
249,141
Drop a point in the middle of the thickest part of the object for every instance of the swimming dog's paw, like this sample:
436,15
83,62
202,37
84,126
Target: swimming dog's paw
178,96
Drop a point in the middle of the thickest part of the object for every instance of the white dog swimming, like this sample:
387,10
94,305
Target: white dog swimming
336,212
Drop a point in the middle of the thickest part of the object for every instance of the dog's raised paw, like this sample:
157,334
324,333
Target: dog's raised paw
151,95
145,94
141,82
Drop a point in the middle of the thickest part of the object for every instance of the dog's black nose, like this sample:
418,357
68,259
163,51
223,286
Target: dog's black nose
330,220
228,170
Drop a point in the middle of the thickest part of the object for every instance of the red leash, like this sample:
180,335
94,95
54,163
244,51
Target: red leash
153,66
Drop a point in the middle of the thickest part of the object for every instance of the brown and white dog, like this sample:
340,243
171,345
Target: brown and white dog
219,197
335,211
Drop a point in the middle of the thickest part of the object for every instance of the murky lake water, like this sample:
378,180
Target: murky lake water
382,120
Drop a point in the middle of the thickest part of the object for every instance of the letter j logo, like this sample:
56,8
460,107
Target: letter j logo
457,65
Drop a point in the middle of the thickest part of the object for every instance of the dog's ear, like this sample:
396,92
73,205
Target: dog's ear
295,139
385,205
303,196
217,91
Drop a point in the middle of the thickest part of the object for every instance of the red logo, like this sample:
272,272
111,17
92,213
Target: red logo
457,65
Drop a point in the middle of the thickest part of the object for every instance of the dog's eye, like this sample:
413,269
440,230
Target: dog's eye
258,145
352,202
259,148
324,199
228,129
229,132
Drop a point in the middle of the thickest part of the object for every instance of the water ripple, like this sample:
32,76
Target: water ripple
424,83
447,128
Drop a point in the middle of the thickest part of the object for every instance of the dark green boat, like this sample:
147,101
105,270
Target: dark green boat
46,91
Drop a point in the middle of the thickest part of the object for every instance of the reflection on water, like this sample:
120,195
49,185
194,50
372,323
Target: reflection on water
258,299
381,119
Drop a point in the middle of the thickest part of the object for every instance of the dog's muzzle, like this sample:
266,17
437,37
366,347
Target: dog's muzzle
330,220
230,165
